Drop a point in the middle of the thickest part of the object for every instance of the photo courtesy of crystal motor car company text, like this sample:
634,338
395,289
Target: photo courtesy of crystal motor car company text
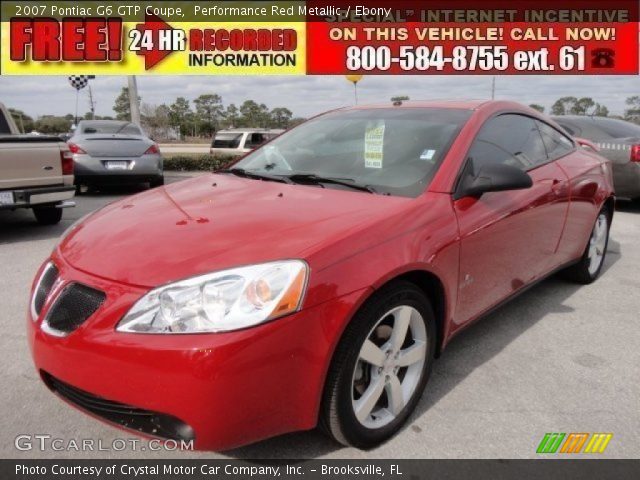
319,231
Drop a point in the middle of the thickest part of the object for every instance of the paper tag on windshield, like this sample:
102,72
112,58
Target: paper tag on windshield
427,154
373,146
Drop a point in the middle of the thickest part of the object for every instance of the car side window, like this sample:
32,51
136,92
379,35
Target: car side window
4,125
255,140
509,139
556,143
571,130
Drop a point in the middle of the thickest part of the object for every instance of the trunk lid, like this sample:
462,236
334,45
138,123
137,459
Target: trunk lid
113,145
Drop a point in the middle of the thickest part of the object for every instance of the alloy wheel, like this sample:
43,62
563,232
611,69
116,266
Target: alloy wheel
598,243
389,367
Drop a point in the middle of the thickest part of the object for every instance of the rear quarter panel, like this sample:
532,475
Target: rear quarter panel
590,185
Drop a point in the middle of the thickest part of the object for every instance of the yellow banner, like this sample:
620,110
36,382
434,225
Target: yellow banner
198,48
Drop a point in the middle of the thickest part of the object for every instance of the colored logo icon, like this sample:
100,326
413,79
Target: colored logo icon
574,443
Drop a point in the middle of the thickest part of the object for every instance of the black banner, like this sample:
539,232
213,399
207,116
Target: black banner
319,469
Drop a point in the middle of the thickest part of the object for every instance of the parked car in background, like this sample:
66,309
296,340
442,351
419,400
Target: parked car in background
617,140
36,171
113,152
316,280
238,141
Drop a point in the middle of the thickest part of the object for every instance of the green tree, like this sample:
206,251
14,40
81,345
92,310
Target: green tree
53,124
209,111
180,114
582,106
577,106
122,107
232,115
280,117
296,121
537,107
254,114
563,106
600,110
633,112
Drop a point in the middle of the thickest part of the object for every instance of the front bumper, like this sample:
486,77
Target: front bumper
228,389
30,197
117,179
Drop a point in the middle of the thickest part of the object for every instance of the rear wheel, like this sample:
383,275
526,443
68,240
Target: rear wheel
590,265
157,182
380,367
47,215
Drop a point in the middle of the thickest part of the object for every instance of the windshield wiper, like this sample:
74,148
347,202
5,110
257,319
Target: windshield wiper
241,172
314,179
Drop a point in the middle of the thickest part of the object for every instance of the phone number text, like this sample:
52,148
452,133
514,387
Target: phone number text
464,58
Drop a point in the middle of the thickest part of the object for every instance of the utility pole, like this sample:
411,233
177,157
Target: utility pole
92,105
493,87
134,107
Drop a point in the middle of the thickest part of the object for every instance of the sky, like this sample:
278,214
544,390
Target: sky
309,95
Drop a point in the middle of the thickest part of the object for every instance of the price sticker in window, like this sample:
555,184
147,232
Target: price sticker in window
374,146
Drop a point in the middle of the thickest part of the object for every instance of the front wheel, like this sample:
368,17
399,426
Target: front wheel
380,367
158,182
590,264
47,215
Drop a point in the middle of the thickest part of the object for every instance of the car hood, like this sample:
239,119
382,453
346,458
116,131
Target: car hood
214,222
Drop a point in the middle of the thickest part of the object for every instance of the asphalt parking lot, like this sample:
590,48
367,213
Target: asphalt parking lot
560,358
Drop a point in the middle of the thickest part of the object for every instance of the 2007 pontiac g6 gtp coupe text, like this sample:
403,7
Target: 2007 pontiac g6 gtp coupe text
314,281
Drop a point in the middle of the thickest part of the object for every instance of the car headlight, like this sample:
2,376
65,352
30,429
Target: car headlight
221,301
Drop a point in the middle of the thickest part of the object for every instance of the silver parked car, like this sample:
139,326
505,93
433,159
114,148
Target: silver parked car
618,140
113,152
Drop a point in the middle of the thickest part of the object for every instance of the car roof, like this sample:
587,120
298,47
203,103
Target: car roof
241,130
588,119
454,104
106,122
470,104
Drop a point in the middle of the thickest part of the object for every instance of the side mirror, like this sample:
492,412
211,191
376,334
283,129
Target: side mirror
493,178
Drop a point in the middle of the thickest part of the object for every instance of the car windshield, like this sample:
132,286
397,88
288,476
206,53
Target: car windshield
618,128
393,151
125,128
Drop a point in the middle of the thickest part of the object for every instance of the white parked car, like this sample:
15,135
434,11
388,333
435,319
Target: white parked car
238,141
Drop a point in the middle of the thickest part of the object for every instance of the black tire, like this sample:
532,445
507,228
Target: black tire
337,417
47,215
158,182
580,272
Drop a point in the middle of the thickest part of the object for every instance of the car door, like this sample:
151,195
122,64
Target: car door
509,238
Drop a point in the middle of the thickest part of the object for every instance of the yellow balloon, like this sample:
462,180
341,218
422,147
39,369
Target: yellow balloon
353,78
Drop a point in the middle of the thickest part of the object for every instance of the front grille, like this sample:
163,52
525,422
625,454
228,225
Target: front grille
75,304
134,418
47,279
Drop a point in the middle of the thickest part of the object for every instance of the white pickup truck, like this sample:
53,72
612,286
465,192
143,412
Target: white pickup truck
36,171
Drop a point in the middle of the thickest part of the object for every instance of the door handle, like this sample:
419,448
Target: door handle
556,187
48,167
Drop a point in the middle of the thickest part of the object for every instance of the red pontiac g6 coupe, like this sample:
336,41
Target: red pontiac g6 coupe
315,281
